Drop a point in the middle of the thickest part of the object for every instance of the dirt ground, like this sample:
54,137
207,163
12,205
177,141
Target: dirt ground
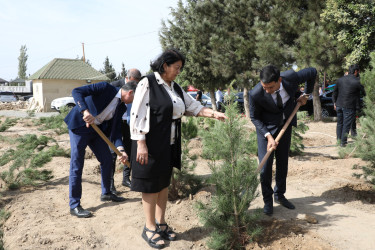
334,210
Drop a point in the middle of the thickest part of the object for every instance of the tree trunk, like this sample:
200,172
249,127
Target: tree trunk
316,101
213,100
246,102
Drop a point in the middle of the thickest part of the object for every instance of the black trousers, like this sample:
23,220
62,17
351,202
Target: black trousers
282,155
127,146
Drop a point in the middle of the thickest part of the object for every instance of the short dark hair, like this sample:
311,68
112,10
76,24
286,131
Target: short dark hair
353,68
169,57
269,74
130,85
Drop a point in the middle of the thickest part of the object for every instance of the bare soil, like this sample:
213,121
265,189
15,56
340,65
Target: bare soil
334,210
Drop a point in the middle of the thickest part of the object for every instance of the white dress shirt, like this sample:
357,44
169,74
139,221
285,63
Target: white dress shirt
109,111
140,115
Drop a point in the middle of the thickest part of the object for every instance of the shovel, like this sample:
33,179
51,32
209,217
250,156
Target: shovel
281,133
110,144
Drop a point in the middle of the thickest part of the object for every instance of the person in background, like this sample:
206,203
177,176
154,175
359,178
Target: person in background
219,99
101,104
132,75
346,96
155,127
199,96
272,101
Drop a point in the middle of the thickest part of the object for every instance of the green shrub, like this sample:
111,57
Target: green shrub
235,179
296,144
54,122
364,145
31,152
9,122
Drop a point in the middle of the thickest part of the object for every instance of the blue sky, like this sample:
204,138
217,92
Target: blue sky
124,30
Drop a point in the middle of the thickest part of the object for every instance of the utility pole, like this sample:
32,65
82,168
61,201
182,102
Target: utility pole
83,48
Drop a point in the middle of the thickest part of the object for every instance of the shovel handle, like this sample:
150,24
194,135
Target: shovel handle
110,144
281,133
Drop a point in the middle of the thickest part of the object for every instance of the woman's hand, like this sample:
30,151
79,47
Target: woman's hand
207,112
142,152
123,158
218,115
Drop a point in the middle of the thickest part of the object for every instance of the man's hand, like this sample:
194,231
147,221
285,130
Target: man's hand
123,158
271,143
88,118
303,99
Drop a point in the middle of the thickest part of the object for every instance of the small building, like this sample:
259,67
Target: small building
59,77
3,82
17,82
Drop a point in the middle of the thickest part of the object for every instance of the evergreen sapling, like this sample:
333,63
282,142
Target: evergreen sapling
235,178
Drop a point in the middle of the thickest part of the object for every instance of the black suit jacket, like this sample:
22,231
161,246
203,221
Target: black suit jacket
347,92
264,112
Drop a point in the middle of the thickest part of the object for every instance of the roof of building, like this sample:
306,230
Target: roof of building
2,80
17,80
68,69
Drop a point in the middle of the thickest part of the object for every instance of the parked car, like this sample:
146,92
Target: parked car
326,104
206,101
7,96
27,97
58,103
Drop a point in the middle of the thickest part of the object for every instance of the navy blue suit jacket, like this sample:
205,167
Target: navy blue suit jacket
264,112
96,97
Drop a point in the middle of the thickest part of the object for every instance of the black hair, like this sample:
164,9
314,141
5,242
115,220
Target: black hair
169,57
353,68
269,74
130,85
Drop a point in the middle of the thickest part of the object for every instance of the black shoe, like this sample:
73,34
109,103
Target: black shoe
126,182
113,189
268,208
111,197
285,203
80,212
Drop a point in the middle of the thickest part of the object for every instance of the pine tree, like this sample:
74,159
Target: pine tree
22,62
123,72
365,140
352,23
192,29
236,180
108,70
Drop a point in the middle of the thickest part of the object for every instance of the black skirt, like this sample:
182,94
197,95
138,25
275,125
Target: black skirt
151,185
157,183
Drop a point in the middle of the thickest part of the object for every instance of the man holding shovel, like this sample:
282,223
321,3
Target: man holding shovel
98,104
272,101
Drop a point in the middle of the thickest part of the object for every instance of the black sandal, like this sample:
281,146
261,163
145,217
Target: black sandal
152,242
166,234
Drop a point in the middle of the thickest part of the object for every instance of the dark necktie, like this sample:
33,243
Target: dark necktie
279,101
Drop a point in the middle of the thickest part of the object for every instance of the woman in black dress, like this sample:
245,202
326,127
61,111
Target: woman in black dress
155,124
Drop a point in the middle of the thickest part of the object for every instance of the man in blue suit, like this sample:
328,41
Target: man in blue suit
271,103
101,104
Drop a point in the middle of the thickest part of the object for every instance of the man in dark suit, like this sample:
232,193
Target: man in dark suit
346,96
132,75
271,103
101,104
